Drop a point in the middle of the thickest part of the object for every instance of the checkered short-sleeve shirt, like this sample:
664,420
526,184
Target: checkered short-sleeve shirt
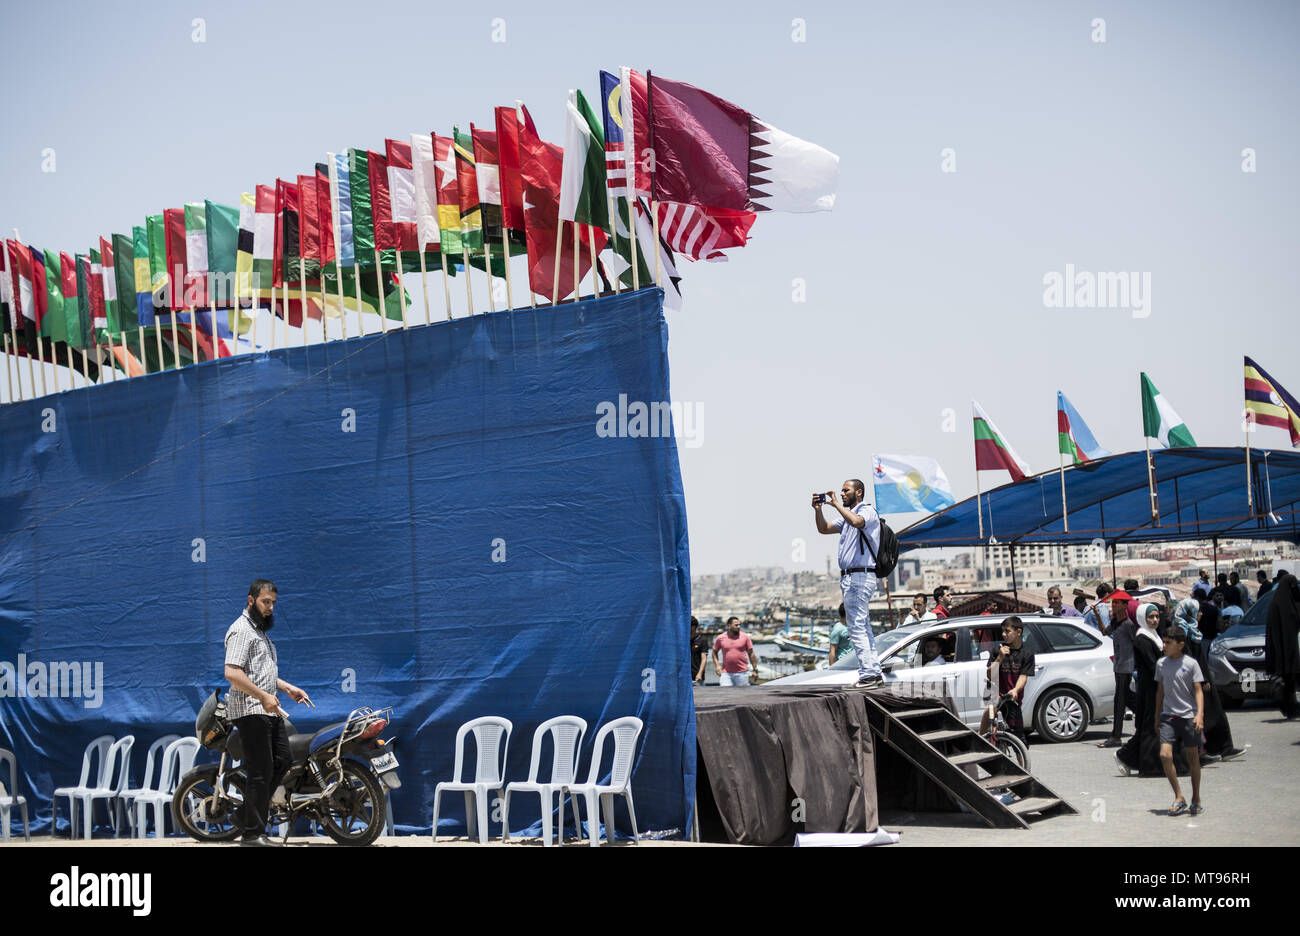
252,651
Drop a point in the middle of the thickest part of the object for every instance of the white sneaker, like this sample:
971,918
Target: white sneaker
1124,769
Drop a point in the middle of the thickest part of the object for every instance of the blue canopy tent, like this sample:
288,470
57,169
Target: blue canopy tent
1201,495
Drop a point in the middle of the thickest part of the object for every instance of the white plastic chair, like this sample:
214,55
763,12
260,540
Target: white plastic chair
115,767
177,760
152,760
625,731
566,733
96,752
9,797
491,739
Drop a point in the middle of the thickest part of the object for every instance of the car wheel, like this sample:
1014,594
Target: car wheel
1062,715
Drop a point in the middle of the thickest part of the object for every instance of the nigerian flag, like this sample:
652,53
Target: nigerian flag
1159,421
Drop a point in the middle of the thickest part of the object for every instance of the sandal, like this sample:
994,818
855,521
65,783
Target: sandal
1178,808
1110,742
1197,809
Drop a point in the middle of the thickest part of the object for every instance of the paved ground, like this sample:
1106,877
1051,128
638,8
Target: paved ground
1249,801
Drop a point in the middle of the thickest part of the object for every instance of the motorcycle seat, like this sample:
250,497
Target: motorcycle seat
327,735
299,745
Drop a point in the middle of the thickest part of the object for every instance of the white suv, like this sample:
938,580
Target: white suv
1073,684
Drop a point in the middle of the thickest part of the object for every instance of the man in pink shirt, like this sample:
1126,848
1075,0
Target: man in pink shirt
735,646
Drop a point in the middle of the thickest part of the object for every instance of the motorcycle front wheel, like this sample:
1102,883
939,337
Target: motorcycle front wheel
355,812
201,815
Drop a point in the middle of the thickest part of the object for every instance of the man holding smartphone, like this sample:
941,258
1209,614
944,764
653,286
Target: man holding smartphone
859,528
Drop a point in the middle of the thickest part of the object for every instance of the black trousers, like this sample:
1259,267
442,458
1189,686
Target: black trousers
266,759
1286,698
1121,705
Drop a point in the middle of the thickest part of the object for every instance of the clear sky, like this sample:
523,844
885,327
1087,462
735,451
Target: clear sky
924,288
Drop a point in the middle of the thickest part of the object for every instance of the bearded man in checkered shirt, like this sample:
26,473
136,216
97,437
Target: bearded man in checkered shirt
253,671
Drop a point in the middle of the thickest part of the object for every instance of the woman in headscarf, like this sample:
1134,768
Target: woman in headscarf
1218,736
1210,624
1281,652
1142,751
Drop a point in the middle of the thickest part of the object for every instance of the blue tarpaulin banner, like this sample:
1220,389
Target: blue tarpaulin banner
461,519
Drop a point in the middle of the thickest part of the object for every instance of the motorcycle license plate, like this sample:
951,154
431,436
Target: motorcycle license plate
384,764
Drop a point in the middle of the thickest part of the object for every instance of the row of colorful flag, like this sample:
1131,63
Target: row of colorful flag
662,170
907,483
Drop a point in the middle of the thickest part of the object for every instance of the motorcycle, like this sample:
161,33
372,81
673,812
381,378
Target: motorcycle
339,777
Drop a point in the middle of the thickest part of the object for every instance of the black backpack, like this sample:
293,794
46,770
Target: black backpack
886,560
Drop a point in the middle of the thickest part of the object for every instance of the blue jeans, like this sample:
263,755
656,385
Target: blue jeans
733,679
857,590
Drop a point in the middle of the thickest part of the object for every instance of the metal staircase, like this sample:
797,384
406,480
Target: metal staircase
959,760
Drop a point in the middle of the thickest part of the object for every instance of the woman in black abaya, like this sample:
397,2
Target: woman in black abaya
1281,652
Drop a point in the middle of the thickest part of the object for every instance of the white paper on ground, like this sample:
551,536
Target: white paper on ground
845,839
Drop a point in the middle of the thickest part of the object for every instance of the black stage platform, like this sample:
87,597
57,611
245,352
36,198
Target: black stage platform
777,761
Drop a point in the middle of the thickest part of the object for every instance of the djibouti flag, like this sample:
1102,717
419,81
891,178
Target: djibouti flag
908,483
1160,422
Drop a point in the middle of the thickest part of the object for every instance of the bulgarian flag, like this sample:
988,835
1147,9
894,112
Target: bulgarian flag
1074,437
992,453
1268,403
1160,422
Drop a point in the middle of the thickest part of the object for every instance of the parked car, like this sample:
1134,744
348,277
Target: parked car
1074,683
1237,658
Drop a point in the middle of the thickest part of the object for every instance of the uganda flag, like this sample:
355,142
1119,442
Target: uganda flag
1268,403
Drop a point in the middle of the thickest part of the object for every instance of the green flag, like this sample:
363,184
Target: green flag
583,184
124,274
1159,421
54,325
363,224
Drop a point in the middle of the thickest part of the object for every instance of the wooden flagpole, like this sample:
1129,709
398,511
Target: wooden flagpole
559,243
595,274
157,333
379,282
356,269
446,277
72,370
424,283
338,280
176,342
273,316
40,356
324,318
654,220
577,267
85,366
613,222
464,255
505,252
13,328
487,266
144,358
302,297
9,377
